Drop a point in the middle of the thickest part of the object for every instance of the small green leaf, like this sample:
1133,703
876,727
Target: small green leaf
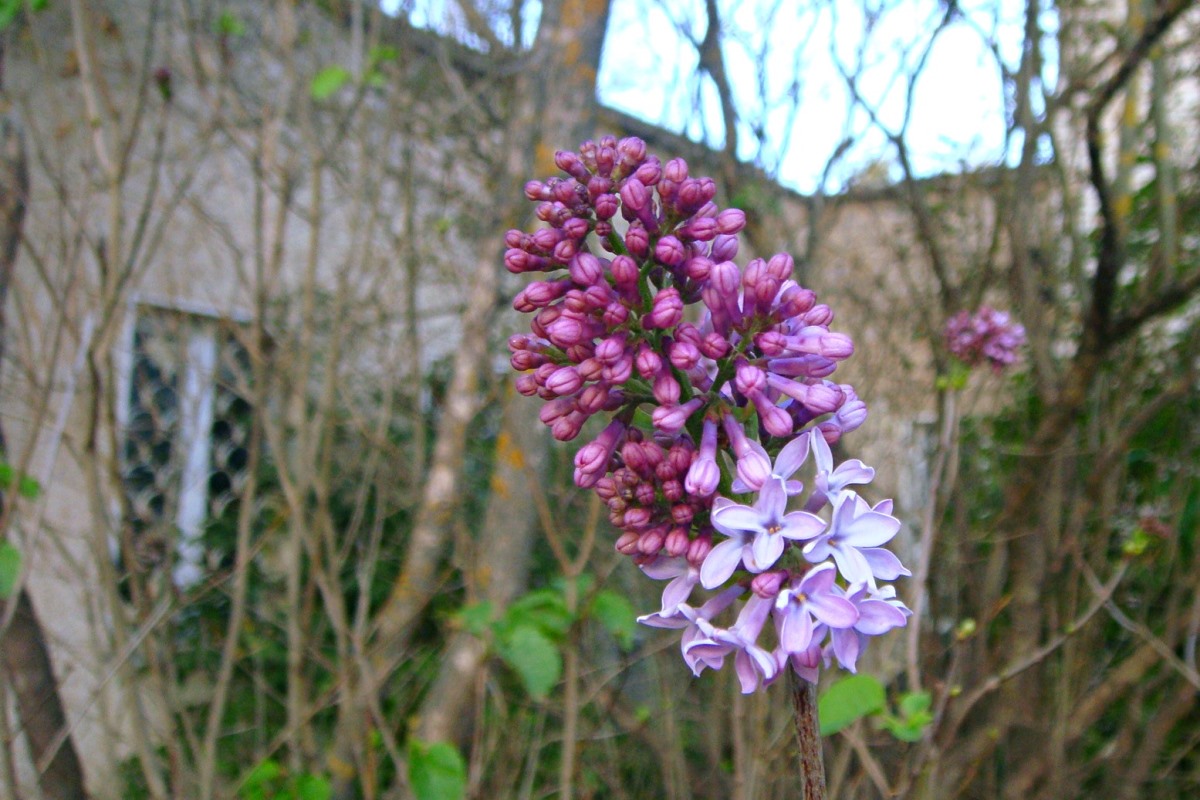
534,657
544,609
910,729
616,614
848,701
261,783
913,703
326,82
228,24
436,771
27,487
313,787
382,53
475,617
10,569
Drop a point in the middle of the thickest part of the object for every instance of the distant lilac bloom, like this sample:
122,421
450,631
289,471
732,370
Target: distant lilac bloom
987,335
756,534
855,525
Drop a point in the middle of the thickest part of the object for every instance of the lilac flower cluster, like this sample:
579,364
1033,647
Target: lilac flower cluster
987,335
706,408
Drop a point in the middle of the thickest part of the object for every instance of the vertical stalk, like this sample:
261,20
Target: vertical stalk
808,739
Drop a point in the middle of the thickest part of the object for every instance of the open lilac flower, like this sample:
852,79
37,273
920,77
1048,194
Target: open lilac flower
876,616
709,413
757,534
855,525
683,577
830,482
813,596
754,665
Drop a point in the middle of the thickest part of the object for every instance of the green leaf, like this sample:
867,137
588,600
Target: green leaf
534,657
910,729
260,783
326,82
544,609
228,24
616,614
436,771
10,569
913,703
848,701
313,787
475,618
382,53
27,487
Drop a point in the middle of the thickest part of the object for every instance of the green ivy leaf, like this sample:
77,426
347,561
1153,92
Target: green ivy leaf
436,771
10,569
848,701
616,614
326,82
534,657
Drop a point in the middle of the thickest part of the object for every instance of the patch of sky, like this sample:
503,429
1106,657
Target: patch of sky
820,87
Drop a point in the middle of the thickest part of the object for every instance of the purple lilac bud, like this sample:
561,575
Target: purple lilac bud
666,311
671,419
669,251
591,462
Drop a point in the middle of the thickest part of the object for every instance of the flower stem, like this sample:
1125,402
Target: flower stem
808,738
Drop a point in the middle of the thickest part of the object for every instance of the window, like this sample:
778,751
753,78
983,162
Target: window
185,430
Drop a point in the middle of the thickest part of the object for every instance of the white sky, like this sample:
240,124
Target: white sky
800,99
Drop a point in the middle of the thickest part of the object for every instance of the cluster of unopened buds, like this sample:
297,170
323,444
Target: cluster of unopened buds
987,335
711,414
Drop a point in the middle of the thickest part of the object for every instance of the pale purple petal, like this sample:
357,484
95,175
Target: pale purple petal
878,616
660,620
836,612
661,568
792,456
679,590
721,562
801,525
884,563
846,646
853,566
766,550
796,629
736,518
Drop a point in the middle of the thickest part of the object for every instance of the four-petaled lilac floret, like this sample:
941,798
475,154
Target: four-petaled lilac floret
757,534
815,596
855,525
